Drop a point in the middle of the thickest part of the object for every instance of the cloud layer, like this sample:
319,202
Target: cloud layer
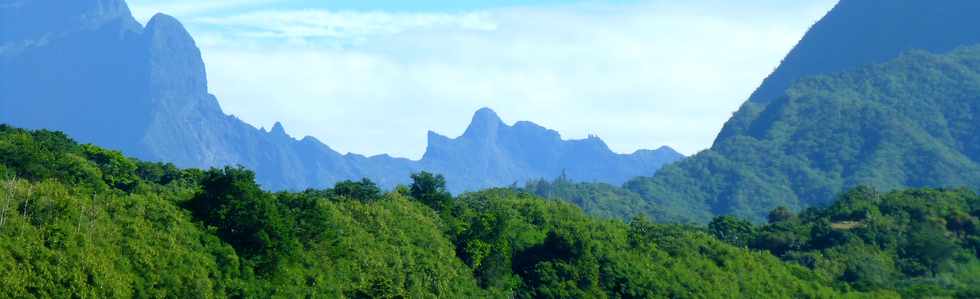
638,75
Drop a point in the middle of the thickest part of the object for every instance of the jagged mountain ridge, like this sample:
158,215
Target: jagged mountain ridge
93,71
492,153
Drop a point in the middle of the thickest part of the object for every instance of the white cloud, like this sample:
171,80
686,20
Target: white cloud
341,26
143,10
639,76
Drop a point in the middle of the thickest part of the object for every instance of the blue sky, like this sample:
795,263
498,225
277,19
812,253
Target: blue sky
216,7
417,5
373,77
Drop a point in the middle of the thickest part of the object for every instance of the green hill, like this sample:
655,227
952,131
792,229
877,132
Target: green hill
911,122
857,33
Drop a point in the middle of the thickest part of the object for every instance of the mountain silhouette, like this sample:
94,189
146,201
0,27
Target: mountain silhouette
89,69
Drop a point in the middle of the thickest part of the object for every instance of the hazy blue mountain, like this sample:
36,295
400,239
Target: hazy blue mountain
910,122
491,153
87,68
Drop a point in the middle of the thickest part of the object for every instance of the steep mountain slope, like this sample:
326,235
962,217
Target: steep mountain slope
102,77
911,122
862,32
49,53
906,123
89,69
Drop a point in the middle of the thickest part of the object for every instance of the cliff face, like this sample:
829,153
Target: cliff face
88,68
76,66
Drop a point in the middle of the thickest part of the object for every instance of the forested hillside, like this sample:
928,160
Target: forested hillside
82,221
924,243
856,33
911,122
596,199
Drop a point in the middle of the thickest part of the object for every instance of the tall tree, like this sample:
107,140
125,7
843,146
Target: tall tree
430,189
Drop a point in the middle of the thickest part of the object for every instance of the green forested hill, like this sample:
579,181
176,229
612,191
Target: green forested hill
924,243
597,199
911,122
80,221
856,33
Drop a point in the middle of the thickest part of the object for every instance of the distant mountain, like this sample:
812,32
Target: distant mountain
910,122
88,68
491,153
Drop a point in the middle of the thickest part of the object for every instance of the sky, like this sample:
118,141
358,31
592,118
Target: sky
373,77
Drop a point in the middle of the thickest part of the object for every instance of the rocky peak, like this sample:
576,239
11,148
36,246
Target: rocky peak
484,125
175,61
437,139
278,130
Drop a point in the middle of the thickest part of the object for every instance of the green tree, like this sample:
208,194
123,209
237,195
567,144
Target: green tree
364,190
733,230
430,190
780,214
866,272
117,170
930,247
244,216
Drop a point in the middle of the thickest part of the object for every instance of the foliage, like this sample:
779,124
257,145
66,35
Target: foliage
430,190
364,190
730,229
244,216
550,249
597,199
917,242
80,221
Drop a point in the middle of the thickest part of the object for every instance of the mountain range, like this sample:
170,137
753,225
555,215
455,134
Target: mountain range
879,95
88,68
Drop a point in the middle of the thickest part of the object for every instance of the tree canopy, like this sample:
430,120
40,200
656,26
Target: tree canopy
80,221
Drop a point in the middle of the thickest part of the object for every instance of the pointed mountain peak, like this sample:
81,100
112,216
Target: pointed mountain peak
486,115
177,67
664,152
485,123
434,137
168,27
278,130
669,150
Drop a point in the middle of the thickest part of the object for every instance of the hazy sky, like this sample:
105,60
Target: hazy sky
373,77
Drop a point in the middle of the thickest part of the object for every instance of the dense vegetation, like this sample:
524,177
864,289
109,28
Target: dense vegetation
598,199
911,122
81,221
920,242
